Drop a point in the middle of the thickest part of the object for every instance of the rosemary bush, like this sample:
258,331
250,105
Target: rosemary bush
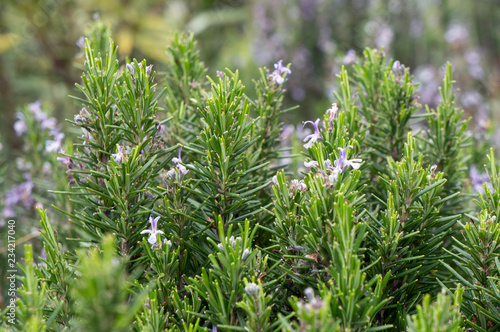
186,218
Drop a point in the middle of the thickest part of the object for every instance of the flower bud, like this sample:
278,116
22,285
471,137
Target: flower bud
245,254
252,289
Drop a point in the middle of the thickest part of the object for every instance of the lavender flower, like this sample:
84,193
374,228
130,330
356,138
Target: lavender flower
396,65
8,212
119,156
153,231
20,127
182,169
131,68
302,186
456,34
36,109
296,185
311,163
349,58
20,193
478,180
332,115
66,161
49,123
279,71
55,144
80,42
342,163
314,136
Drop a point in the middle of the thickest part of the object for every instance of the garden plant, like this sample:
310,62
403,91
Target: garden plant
187,205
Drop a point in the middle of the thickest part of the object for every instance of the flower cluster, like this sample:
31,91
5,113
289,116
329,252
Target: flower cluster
330,172
84,117
44,122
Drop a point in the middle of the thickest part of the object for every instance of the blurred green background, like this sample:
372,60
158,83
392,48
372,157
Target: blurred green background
40,59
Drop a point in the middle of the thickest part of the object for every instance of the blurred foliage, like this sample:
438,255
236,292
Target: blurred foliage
313,35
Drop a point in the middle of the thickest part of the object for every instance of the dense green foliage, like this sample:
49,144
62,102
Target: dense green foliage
186,219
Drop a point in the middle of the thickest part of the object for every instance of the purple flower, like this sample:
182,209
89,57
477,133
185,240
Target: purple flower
182,169
8,212
396,65
118,157
80,42
456,34
66,161
279,71
350,57
21,192
20,127
131,68
49,123
314,136
342,163
55,144
153,231
478,180
311,163
36,109
333,111
332,115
